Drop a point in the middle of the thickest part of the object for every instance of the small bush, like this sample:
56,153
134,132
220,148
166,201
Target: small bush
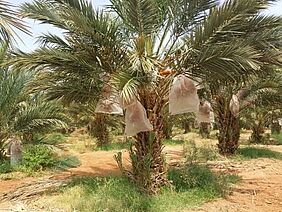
37,157
197,176
5,167
194,154
252,152
260,139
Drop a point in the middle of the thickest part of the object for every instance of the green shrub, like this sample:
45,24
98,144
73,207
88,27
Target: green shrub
37,157
194,154
5,167
194,176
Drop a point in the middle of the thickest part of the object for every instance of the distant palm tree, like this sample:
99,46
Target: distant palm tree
261,104
135,41
23,114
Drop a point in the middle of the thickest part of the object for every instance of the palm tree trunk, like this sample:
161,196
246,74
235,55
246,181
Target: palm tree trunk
204,129
2,147
98,129
275,127
148,163
167,127
257,133
228,126
186,126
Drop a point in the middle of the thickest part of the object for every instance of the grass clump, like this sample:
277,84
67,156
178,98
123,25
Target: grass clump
66,162
195,154
192,186
253,153
102,194
200,177
173,142
116,145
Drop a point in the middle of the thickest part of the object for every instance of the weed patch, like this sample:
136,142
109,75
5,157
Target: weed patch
253,153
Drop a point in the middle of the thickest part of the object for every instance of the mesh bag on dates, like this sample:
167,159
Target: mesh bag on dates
108,103
234,105
183,97
136,119
204,113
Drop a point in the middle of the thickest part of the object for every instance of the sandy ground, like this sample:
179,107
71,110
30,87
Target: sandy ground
259,190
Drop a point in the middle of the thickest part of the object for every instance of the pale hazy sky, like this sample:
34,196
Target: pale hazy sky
36,29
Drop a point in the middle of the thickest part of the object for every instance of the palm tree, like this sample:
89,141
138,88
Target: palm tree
9,20
253,96
98,125
133,41
23,114
261,102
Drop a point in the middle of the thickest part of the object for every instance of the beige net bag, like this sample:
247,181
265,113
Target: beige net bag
234,105
136,119
204,113
108,103
183,97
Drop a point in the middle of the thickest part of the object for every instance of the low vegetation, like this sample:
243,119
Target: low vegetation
277,138
191,186
254,153
40,157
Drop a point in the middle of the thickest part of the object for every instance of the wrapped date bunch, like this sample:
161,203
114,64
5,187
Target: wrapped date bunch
183,97
204,113
109,103
234,105
136,119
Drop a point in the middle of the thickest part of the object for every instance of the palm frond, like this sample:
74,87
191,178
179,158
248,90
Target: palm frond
140,16
39,116
9,19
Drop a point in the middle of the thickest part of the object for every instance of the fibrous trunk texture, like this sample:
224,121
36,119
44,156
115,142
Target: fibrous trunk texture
275,128
228,126
98,129
204,129
257,135
2,145
148,164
